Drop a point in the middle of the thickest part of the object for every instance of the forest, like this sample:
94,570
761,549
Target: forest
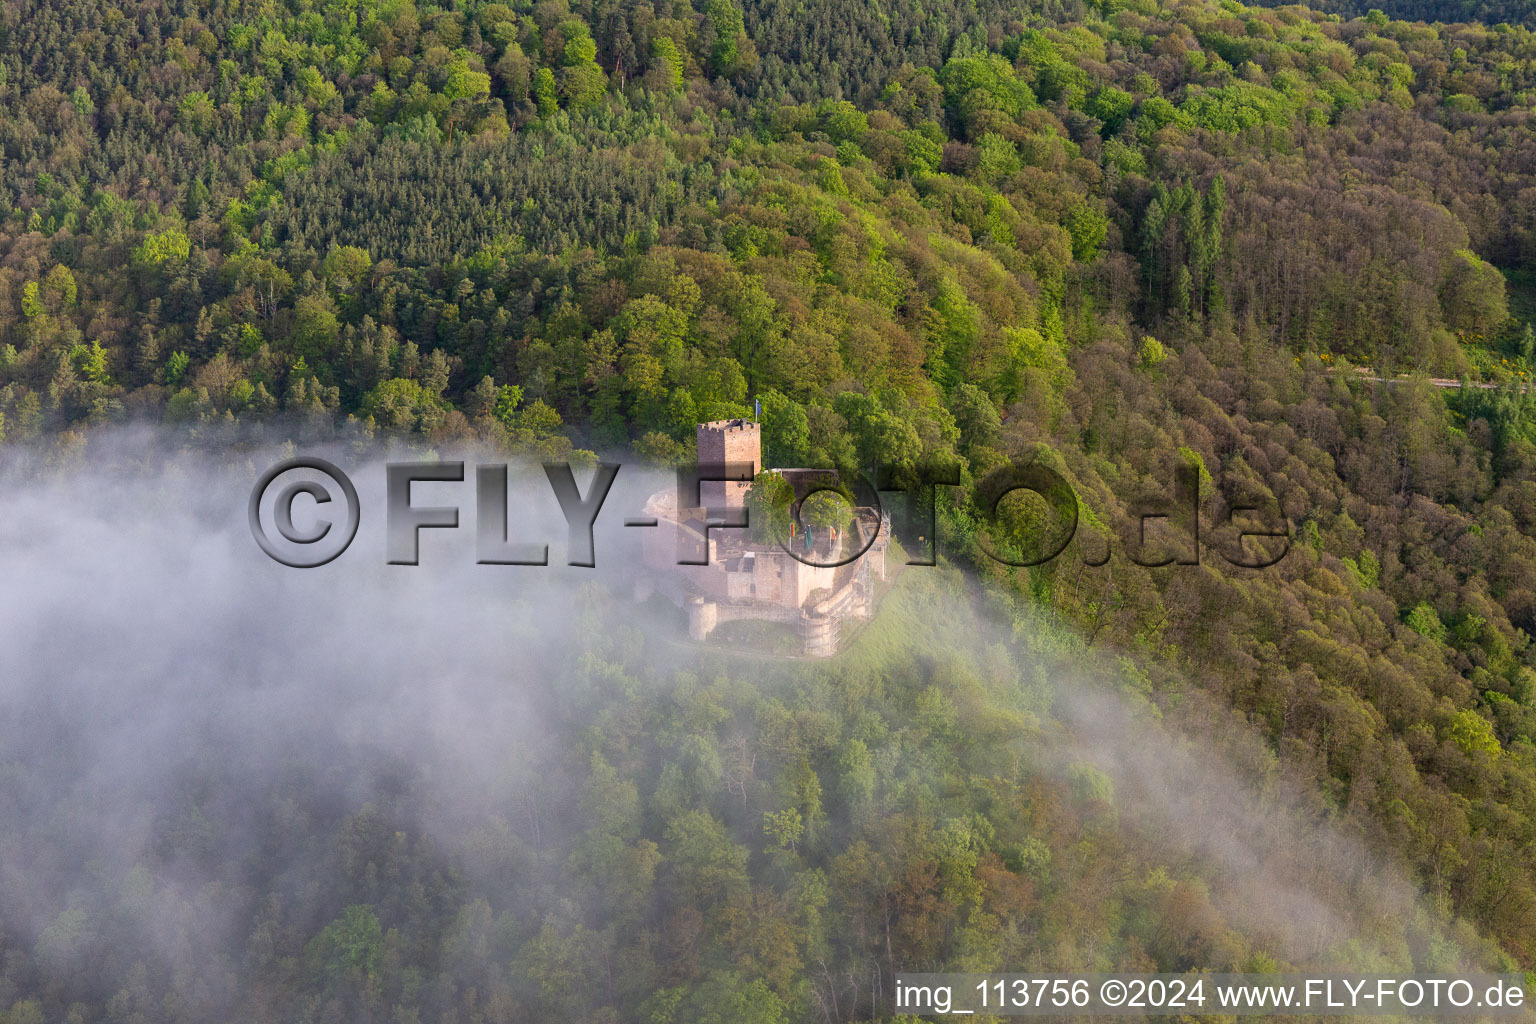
1290,247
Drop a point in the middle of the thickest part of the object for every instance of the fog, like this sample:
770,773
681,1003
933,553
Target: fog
1287,873
154,660
164,685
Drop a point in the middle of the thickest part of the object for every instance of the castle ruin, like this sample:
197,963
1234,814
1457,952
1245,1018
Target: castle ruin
746,578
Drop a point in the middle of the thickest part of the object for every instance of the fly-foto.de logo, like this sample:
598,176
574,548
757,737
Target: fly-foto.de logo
715,497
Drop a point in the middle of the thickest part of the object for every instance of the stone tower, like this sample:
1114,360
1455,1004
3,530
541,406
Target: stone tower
729,441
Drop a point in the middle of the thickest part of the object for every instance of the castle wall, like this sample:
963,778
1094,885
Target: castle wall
819,634
807,578
702,617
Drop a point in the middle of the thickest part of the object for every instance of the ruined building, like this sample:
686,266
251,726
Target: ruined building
751,579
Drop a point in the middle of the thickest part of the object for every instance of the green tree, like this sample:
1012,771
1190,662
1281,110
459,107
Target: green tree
1471,732
1472,295
351,946
1088,225
1423,620
769,501
508,398
711,868
59,289
176,367
666,64
785,828
161,247
786,431
403,405
733,51
582,85
464,83
880,438
316,328
1111,106
545,93
346,266
32,306
827,509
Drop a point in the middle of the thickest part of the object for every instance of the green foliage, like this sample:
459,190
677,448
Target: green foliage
1423,620
537,227
1471,732
1087,225
176,367
508,398
843,122
974,86
1111,106
1239,107
1091,784
785,828
350,946
31,302
1366,570
1472,295
880,438
827,509
667,62
786,431
733,51
544,92
316,328
161,247
769,501
464,83
582,85
996,158
59,289
921,154
346,266
1195,461
401,404
91,362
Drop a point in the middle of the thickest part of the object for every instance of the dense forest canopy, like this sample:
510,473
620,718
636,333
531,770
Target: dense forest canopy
564,813
1121,237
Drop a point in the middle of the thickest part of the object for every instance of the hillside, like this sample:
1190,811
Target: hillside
1118,237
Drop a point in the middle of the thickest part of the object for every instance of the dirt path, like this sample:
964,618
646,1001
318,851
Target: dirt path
1439,382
